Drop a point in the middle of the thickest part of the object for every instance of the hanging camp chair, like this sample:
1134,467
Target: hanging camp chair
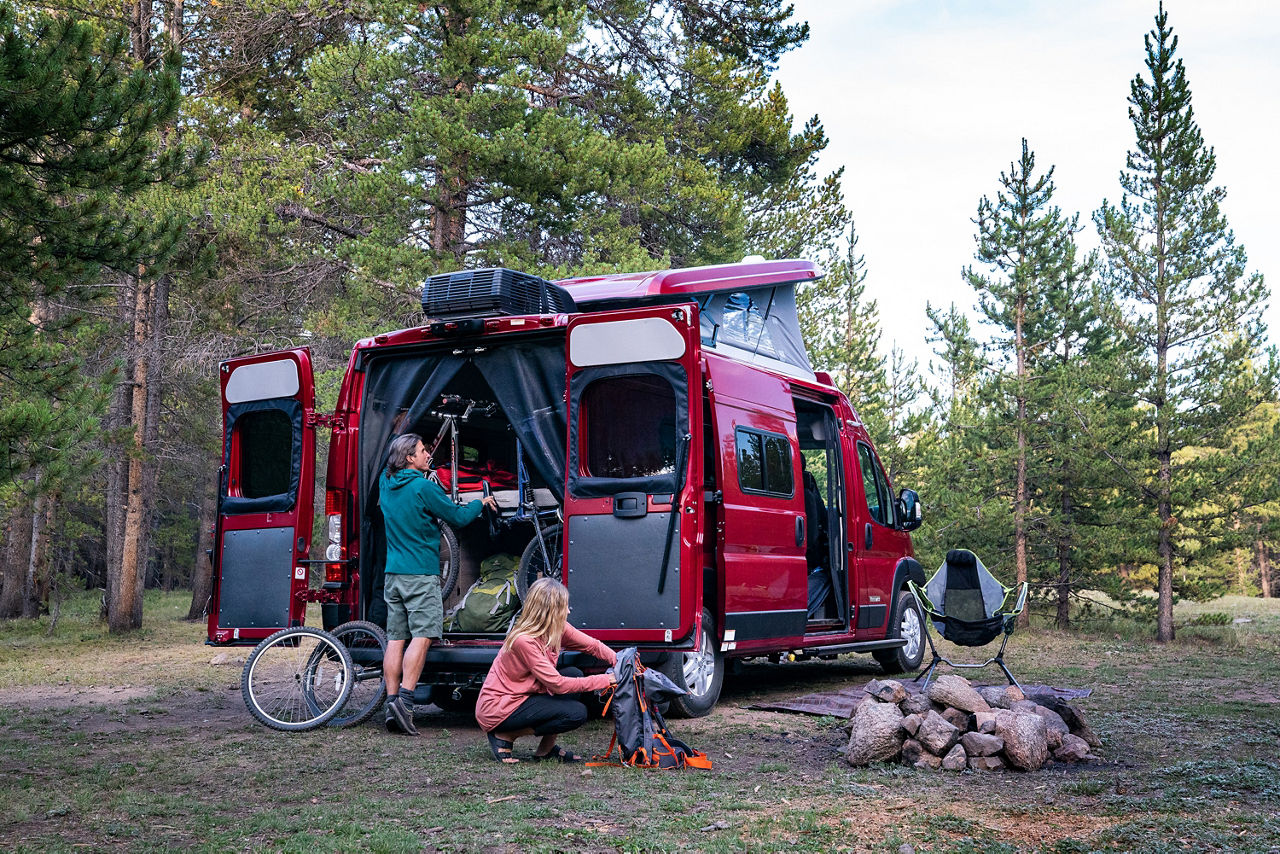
968,607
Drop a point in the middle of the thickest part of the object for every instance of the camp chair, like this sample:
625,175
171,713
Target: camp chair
968,607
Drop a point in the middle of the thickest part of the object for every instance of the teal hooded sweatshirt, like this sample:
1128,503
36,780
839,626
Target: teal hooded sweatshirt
411,505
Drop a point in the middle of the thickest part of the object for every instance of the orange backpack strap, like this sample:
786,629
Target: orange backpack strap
698,759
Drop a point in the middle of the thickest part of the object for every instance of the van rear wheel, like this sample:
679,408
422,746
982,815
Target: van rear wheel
908,624
700,672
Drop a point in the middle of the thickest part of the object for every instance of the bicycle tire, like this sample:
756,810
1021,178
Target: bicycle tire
532,564
297,679
366,642
450,559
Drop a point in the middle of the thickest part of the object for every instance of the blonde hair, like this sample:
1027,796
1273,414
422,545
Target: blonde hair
546,607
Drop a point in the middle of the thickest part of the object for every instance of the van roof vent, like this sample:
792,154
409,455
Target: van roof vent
490,292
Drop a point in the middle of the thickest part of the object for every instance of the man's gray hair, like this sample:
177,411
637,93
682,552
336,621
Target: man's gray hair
398,454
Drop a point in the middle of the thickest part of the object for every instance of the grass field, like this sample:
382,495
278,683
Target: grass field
141,743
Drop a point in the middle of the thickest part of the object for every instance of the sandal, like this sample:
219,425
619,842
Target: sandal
501,750
558,752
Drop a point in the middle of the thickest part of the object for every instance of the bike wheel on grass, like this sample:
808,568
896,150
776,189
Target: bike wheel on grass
366,643
297,679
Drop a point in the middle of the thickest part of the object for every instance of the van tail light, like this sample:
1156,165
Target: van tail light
335,550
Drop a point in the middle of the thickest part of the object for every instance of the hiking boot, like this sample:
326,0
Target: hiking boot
400,718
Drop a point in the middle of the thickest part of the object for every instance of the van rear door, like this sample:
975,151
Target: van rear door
633,491
265,493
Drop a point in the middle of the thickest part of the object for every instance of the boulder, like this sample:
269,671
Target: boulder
986,763
1054,725
958,718
981,744
876,734
1027,706
1026,739
928,762
911,723
955,691
956,759
887,691
915,704
1073,749
937,734
1001,696
912,750
984,722
1072,716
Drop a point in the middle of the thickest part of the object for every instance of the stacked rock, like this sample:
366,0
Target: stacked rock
955,726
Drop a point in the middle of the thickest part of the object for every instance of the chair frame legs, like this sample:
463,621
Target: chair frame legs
939,658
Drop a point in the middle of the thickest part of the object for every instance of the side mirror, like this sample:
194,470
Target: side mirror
910,510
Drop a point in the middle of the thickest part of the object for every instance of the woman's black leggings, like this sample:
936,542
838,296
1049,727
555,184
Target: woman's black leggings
547,714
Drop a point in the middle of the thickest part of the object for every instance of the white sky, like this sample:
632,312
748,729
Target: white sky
925,103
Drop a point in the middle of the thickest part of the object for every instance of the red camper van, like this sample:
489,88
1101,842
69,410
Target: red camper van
656,440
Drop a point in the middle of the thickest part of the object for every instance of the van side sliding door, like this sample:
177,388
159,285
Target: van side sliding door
265,493
633,490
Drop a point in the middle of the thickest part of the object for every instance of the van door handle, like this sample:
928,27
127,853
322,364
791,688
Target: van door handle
799,531
867,536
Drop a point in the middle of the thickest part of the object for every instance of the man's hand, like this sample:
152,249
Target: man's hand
490,502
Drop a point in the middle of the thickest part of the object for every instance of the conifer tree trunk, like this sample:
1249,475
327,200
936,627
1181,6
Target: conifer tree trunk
202,572
1264,569
1063,618
37,556
17,545
1020,488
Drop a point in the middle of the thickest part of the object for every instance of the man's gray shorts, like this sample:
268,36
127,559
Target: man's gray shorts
414,606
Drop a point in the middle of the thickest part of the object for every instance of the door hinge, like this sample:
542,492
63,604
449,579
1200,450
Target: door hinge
316,419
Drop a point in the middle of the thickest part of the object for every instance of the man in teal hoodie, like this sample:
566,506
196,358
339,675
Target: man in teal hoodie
413,507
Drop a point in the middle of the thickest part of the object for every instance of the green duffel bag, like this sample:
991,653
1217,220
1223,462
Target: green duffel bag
491,604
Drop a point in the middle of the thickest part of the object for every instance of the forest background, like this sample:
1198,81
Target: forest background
186,180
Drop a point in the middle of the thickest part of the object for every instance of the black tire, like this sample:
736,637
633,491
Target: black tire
700,673
532,563
367,644
908,623
450,560
297,679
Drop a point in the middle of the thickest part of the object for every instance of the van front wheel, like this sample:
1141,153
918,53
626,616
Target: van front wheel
700,672
908,624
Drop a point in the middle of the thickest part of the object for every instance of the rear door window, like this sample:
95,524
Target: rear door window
630,427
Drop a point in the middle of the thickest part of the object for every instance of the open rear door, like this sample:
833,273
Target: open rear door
265,493
633,492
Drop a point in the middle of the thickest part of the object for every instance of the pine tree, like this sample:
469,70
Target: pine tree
1192,315
1028,249
77,140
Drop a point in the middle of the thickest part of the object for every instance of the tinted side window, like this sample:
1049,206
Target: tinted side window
764,463
875,486
264,458
630,427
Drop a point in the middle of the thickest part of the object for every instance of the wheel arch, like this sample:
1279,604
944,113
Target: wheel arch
908,569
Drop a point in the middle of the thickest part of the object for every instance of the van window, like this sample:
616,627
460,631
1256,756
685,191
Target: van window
629,427
764,463
744,323
875,486
264,453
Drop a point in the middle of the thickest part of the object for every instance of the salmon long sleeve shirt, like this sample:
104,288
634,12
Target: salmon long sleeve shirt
529,667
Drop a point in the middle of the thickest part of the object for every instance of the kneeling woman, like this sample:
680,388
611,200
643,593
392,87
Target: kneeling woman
524,694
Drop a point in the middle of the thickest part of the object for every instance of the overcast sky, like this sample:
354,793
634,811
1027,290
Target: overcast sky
925,103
